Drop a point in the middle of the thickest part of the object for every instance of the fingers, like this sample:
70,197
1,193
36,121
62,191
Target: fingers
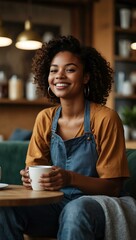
52,181
52,184
25,178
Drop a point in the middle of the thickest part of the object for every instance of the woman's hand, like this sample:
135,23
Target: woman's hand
55,179
51,181
25,178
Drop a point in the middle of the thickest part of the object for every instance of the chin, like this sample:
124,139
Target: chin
60,95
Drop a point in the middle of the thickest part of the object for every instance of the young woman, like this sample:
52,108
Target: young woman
80,137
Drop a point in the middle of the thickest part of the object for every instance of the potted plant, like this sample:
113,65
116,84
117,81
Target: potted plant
125,117
129,120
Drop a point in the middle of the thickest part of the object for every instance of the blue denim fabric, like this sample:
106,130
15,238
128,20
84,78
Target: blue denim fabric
80,219
77,154
76,217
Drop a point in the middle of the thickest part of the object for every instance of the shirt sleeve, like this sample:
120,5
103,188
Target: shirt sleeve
112,160
38,150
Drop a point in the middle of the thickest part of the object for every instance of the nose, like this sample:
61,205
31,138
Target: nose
60,74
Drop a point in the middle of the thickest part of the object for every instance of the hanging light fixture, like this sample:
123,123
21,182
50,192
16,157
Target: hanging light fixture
133,45
5,39
28,39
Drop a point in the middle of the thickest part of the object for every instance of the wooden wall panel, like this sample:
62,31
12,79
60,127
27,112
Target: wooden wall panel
103,33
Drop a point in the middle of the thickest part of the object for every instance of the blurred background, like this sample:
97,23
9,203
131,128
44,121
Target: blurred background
109,26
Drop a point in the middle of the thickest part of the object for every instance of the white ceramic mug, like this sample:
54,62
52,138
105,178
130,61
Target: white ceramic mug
127,88
31,91
35,173
124,47
125,17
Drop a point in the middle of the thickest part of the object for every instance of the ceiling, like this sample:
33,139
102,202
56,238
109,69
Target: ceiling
63,3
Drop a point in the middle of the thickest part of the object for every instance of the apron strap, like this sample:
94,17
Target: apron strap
87,128
55,119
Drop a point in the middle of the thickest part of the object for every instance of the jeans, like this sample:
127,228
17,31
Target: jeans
80,219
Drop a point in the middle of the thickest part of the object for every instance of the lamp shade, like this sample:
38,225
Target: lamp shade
5,39
28,39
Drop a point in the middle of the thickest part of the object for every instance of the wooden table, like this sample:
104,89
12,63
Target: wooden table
17,195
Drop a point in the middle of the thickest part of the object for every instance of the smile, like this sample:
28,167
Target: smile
61,84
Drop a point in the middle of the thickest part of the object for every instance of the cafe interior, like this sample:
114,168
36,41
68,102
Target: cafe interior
84,19
109,26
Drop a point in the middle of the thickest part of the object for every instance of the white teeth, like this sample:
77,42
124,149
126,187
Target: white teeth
61,84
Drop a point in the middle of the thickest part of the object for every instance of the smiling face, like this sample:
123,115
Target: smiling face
66,76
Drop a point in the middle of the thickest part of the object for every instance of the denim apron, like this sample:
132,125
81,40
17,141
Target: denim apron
78,154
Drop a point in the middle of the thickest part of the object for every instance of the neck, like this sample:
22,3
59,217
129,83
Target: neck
73,109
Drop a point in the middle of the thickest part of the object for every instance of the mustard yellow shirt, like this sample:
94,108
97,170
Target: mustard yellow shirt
108,133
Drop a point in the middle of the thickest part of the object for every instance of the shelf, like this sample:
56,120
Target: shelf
123,64
131,144
124,59
121,96
20,113
131,30
129,3
39,101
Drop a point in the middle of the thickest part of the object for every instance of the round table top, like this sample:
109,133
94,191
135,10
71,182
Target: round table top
17,195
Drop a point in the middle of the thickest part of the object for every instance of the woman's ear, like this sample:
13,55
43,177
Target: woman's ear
86,78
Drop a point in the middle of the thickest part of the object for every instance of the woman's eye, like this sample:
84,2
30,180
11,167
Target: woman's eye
53,70
70,70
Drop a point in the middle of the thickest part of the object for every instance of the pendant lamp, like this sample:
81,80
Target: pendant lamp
5,39
28,39
133,45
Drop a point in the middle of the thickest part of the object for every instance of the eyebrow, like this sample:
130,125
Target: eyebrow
55,65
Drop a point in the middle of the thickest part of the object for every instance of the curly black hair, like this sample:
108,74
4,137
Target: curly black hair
99,70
